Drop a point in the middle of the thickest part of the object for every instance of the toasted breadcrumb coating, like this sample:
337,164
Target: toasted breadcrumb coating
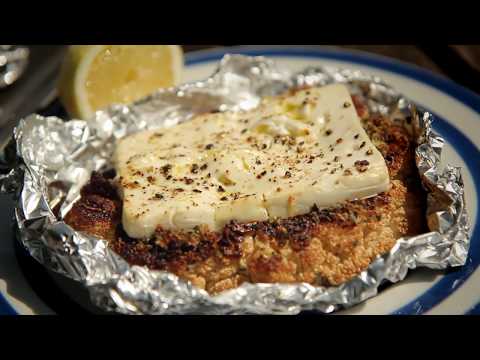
325,247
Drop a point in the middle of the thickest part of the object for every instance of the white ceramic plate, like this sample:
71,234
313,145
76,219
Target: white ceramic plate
457,113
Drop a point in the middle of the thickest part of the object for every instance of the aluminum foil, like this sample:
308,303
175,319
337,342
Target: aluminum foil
50,160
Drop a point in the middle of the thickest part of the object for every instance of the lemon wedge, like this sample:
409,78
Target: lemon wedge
93,77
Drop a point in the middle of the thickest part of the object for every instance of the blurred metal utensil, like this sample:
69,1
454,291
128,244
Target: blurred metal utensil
13,62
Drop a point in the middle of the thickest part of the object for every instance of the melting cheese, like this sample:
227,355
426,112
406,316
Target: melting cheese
276,161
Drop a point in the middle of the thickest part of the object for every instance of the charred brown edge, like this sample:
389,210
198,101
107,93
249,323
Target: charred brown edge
176,248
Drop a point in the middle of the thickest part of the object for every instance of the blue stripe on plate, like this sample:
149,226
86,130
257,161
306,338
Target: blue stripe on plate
474,311
467,150
5,307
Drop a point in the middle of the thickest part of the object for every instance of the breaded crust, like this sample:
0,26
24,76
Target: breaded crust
324,247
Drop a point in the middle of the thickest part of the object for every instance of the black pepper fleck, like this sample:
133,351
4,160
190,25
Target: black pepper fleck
166,169
362,165
262,175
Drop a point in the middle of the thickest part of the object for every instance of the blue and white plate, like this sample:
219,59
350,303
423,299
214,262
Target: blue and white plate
457,113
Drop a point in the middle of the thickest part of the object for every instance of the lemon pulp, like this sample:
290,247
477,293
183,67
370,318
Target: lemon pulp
116,76
94,77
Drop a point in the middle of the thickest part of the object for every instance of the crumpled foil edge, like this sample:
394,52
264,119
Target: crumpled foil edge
48,151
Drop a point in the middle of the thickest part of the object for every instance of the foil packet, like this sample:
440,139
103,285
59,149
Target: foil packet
49,160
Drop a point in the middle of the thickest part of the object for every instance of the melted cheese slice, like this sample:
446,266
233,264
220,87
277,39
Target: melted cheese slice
279,160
